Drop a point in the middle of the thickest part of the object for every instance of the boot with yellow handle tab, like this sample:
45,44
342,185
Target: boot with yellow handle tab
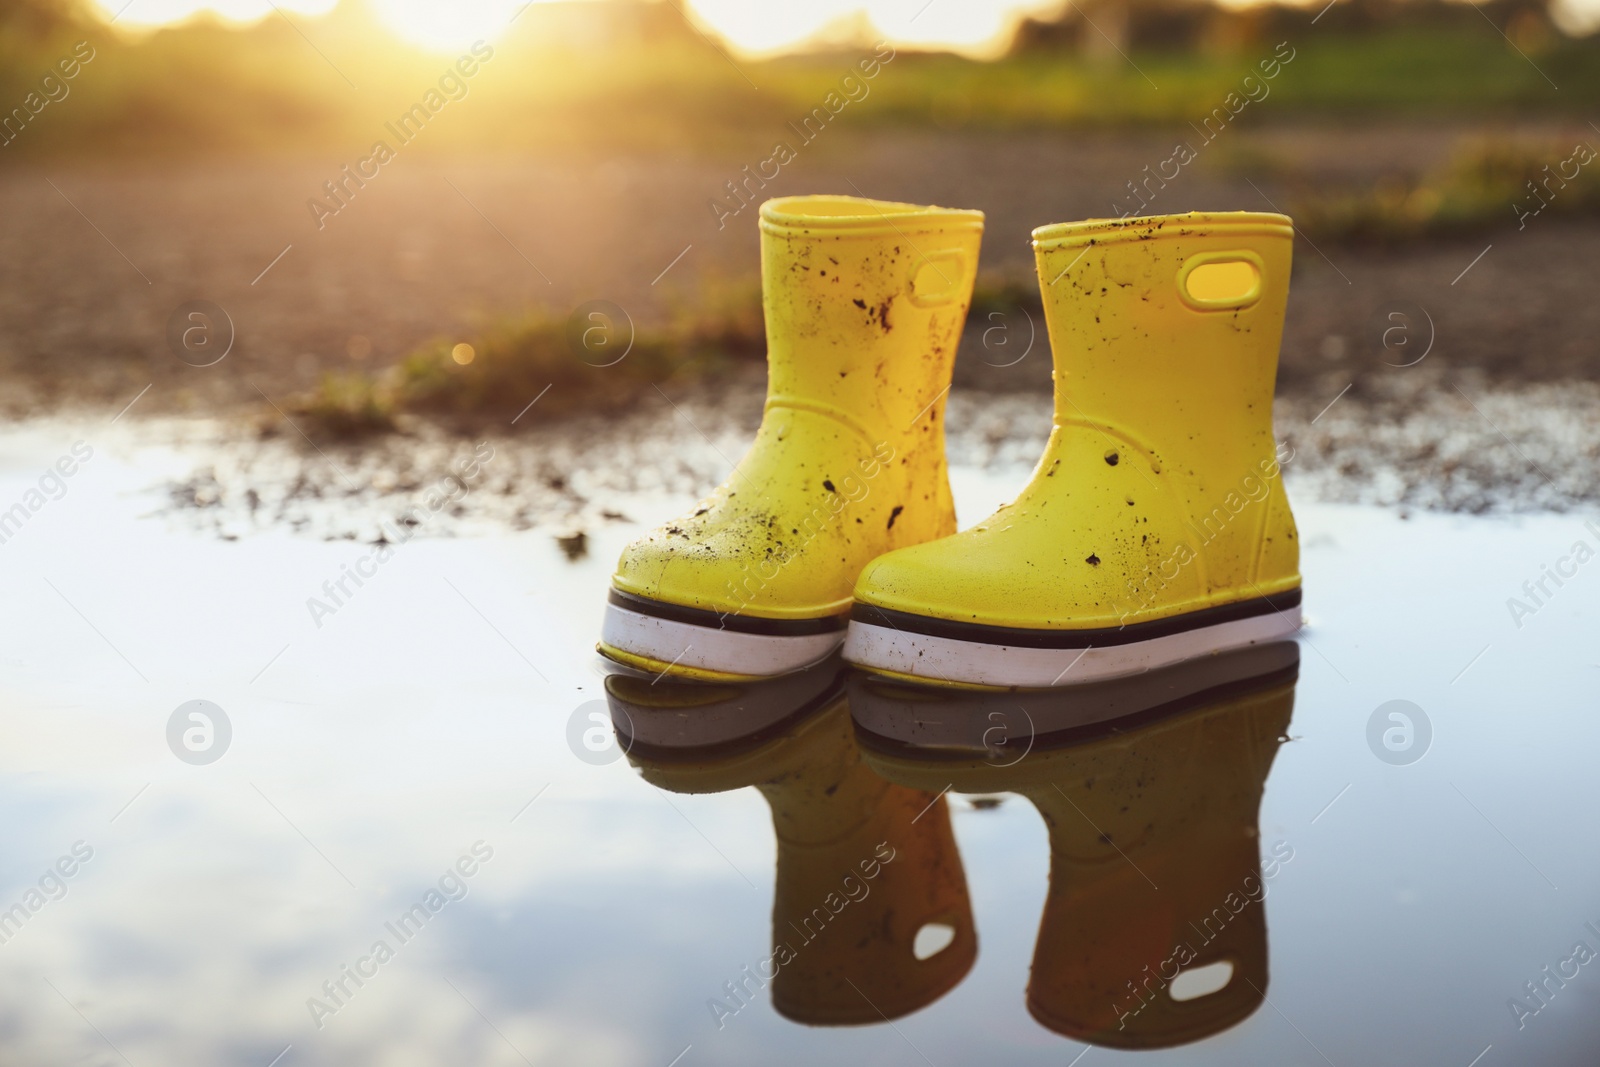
1155,527
865,301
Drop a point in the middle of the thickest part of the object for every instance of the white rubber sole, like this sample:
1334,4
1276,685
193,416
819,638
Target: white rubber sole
685,644
946,659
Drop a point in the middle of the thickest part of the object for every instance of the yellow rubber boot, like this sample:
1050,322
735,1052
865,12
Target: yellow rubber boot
1156,864
864,866
1155,527
865,302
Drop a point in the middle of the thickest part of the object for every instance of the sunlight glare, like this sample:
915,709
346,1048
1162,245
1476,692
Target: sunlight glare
150,13
447,27
978,27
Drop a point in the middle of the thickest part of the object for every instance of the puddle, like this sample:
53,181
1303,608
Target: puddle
420,766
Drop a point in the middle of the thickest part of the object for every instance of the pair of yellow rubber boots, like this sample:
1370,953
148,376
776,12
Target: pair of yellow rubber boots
1154,528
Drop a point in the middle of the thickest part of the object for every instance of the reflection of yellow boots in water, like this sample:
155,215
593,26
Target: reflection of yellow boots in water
863,865
1155,859
865,302
1155,527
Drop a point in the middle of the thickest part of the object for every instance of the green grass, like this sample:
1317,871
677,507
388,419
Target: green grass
589,366
1486,185
1392,72
346,406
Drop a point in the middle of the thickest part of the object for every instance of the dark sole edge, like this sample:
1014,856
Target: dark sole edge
711,620
1024,637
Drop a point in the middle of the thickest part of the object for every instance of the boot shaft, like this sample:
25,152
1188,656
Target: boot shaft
1166,331
865,302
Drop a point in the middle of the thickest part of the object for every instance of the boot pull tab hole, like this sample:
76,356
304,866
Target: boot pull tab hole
1192,983
940,278
932,939
1220,281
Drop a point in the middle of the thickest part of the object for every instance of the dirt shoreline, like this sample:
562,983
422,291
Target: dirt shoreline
1423,442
